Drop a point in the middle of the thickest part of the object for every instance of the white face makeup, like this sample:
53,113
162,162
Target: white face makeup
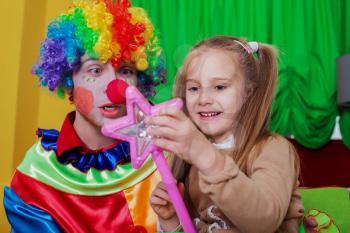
214,93
90,84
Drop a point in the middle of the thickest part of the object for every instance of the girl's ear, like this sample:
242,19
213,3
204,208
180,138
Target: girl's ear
249,90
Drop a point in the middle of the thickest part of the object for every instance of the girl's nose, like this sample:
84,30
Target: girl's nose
205,97
116,91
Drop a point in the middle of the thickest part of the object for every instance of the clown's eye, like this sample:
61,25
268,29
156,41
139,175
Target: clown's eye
126,71
95,71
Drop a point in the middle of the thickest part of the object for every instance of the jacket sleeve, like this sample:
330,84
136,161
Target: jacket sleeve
26,218
257,203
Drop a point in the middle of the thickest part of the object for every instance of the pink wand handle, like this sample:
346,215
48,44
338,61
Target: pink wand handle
173,191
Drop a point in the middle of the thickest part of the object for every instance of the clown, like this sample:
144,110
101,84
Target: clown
76,179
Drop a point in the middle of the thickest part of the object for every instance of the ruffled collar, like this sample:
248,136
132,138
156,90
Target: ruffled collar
83,161
228,143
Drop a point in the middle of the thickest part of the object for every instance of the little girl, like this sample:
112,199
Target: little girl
236,176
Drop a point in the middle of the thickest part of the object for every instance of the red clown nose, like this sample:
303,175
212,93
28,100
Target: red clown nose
116,91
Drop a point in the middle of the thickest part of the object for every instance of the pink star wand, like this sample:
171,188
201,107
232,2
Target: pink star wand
132,128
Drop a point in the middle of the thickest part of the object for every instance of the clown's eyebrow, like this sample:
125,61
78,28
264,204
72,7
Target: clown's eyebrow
88,59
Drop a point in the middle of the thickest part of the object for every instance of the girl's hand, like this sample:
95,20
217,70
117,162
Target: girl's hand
162,206
176,133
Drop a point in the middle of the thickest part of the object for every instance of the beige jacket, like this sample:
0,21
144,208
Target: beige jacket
264,201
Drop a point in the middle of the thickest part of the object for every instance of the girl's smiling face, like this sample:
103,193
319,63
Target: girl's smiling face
214,92
90,84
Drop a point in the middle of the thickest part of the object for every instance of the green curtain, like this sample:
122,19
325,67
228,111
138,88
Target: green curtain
310,35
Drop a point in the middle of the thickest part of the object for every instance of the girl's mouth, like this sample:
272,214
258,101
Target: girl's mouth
110,110
209,115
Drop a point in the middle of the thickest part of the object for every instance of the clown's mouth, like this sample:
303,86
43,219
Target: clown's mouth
110,110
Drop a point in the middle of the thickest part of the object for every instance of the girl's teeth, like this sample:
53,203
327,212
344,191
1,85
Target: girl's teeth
209,114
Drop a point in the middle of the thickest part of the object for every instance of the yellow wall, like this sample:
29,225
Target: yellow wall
25,107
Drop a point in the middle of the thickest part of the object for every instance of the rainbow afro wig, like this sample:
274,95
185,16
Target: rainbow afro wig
106,30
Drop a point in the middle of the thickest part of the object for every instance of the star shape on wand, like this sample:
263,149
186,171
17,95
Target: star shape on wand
132,127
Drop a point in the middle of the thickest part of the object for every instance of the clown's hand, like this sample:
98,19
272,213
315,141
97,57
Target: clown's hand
163,207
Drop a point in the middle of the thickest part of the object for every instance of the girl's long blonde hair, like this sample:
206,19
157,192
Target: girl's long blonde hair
260,73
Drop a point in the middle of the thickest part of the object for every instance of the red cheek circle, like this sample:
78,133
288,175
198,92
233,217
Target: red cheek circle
84,100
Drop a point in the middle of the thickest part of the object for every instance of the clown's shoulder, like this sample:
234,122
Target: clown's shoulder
56,193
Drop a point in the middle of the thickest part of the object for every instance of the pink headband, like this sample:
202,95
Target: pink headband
251,47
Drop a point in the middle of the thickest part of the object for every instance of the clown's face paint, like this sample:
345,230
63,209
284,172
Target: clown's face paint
90,84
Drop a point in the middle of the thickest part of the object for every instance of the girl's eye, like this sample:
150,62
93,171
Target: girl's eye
95,71
220,87
193,89
126,71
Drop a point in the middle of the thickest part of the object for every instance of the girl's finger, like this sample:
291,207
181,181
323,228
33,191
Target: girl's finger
163,132
162,121
171,112
167,145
